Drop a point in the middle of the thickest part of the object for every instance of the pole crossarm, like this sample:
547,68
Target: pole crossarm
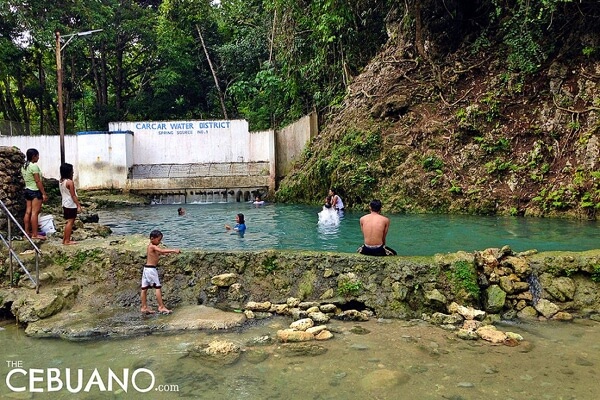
72,35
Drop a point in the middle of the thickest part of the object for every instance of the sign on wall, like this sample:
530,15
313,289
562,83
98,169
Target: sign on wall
188,142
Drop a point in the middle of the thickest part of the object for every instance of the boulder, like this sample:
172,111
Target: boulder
302,324
291,335
546,308
494,299
491,334
218,352
224,280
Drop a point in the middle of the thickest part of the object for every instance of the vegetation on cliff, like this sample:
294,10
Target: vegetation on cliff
471,107
476,106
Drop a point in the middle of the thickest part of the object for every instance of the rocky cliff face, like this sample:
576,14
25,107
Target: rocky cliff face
11,184
453,129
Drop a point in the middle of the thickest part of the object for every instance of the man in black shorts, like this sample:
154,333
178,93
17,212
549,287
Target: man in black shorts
374,227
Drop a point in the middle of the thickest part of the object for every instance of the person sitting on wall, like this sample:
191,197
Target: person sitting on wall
374,227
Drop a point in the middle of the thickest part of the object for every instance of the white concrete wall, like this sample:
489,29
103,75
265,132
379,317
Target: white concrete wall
291,141
188,142
104,159
262,148
49,148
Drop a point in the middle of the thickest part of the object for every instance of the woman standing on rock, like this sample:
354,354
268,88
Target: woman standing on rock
35,194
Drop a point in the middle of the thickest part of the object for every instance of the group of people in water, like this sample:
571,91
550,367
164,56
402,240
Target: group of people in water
35,194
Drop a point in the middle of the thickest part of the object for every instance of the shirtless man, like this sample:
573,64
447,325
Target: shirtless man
374,227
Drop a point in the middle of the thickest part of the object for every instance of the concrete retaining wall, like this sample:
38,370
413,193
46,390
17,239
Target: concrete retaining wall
178,154
292,140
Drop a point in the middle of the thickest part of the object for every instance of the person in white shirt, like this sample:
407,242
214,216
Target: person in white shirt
70,201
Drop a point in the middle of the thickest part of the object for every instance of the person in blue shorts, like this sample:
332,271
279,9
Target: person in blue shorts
35,194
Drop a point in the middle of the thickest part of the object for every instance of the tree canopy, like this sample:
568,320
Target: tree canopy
267,61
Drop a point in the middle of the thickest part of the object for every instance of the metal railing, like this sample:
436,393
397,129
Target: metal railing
12,128
13,255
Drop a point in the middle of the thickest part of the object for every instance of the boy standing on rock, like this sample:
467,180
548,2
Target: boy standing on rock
150,274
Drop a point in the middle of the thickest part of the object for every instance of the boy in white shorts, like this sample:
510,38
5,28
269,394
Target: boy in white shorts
150,274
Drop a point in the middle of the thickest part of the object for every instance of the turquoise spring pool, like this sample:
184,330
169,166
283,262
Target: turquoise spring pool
295,227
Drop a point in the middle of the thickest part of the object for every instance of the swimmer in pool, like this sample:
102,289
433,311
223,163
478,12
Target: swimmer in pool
240,226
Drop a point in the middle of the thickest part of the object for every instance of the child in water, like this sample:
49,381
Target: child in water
240,226
328,216
70,201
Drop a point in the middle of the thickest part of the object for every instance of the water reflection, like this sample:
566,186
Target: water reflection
282,226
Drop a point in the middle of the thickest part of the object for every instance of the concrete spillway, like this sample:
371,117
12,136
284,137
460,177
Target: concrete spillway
200,183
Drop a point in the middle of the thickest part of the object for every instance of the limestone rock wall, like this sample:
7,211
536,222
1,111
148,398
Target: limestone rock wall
503,284
11,184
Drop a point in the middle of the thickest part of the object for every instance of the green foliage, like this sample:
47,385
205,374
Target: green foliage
574,125
523,28
464,276
261,100
558,199
583,191
349,287
432,163
493,105
61,259
514,82
81,257
490,146
270,264
350,163
588,51
16,277
596,273
498,166
455,188
481,43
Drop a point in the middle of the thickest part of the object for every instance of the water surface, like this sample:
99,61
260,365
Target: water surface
283,226
395,360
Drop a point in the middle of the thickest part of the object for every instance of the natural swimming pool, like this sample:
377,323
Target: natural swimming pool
283,226
384,359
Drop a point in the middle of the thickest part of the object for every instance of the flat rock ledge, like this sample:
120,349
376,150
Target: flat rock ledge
123,323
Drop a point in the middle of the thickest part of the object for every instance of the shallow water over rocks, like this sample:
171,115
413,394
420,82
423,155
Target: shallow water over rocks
382,359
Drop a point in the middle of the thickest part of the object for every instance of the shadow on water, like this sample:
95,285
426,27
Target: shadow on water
295,227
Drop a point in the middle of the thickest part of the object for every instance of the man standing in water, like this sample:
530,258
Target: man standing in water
374,227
